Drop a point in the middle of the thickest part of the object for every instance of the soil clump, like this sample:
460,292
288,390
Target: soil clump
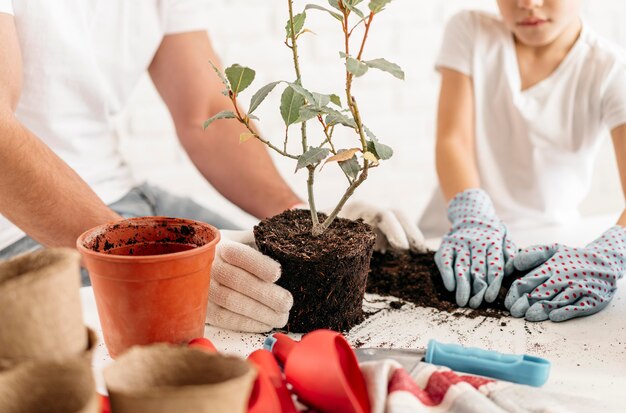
415,278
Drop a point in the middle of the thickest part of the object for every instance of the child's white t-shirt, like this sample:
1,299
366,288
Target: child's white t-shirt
534,149
81,60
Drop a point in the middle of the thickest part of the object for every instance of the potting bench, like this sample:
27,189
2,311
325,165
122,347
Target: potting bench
588,355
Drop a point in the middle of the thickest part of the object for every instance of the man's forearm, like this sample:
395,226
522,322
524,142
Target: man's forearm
40,193
456,168
242,172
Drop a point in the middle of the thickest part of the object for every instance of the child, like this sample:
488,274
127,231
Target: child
524,99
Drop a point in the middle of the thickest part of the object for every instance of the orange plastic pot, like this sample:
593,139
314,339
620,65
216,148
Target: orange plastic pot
150,277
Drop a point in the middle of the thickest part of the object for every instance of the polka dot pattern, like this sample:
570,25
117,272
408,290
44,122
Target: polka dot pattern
473,255
568,282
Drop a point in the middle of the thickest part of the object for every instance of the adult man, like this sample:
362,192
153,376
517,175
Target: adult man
67,69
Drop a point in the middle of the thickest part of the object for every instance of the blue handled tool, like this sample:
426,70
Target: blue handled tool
523,369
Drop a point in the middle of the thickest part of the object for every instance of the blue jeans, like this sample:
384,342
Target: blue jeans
143,200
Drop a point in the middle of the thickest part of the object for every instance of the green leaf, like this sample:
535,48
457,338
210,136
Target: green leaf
380,150
335,99
225,114
343,55
239,77
386,66
369,133
221,76
312,157
290,104
303,92
260,96
308,112
298,23
321,99
334,117
251,116
351,5
351,167
356,67
332,13
377,6
335,4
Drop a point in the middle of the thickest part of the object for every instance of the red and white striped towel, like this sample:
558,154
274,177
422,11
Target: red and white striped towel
438,389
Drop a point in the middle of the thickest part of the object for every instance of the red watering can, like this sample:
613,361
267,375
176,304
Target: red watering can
323,371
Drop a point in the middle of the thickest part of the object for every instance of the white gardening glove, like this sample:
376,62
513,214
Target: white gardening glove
243,296
394,230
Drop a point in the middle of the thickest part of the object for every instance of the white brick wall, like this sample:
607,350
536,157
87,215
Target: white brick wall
401,113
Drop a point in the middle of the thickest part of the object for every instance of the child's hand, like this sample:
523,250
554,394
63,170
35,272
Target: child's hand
473,255
568,282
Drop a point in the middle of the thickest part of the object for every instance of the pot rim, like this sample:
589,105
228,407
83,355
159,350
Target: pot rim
146,258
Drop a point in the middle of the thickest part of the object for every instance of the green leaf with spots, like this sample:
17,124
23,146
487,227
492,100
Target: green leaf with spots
260,96
312,157
298,23
290,104
386,66
356,67
225,114
240,77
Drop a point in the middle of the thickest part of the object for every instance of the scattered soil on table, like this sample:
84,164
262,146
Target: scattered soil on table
414,277
325,274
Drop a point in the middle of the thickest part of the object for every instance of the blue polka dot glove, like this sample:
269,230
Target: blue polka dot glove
473,254
568,282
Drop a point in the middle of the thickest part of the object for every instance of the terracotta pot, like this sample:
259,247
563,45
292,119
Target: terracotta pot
150,278
164,378
41,308
49,387
326,274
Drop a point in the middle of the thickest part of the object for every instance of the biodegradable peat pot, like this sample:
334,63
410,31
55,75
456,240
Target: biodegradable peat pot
150,278
164,378
49,387
40,307
326,274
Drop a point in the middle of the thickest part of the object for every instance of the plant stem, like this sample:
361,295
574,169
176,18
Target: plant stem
246,122
311,169
331,217
367,29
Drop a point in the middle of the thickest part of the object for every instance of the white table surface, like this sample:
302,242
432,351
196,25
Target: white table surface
588,354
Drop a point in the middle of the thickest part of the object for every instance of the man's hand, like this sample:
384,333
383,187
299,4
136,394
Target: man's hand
393,228
243,296
568,282
473,255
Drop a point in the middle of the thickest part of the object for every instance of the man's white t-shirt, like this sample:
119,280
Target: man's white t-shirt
81,60
535,148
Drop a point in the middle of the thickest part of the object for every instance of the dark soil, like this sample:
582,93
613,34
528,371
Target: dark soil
326,274
414,277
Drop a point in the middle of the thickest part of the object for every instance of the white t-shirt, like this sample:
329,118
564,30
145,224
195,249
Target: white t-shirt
534,149
81,60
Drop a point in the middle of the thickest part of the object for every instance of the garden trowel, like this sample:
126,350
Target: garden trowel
523,369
